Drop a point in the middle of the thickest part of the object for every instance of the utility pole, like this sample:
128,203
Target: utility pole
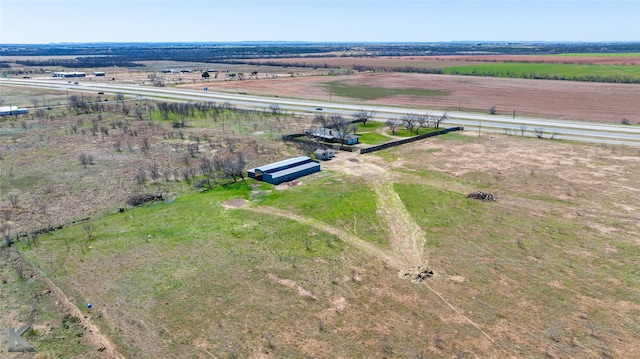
479,128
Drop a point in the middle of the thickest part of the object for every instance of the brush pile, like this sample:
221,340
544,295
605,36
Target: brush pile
482,196
417,274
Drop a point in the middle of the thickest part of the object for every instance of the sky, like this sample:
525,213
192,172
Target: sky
49,21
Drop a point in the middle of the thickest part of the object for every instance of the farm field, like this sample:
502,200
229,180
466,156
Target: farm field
548,71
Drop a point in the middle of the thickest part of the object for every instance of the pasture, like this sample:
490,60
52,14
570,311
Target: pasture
249,270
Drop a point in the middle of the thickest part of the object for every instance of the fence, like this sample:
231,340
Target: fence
408,140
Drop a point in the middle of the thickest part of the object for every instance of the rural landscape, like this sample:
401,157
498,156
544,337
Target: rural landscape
131,229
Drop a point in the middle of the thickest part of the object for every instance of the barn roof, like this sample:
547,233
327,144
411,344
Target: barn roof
287,162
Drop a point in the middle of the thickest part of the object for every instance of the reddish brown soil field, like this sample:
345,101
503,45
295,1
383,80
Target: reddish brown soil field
595,102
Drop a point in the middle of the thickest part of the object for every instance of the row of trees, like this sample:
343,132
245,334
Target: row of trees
414,122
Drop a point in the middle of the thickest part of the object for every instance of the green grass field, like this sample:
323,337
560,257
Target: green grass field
628,54
372,93
550,71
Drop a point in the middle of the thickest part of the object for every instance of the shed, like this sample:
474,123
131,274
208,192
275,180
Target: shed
13,110
324,154
284,171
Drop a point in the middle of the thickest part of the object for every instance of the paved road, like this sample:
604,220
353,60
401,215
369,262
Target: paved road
570,130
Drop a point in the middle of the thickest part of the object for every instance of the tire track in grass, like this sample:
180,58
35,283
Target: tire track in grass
349,238
407,238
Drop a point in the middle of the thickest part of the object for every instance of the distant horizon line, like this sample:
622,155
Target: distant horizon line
484,42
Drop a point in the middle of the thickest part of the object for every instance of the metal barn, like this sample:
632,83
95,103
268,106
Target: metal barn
284,171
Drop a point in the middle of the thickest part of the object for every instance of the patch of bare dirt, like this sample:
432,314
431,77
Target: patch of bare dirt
287,185
235,203
293,285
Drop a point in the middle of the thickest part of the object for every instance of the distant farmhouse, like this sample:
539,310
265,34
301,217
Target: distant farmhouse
332,135
69,74
284,171
12,110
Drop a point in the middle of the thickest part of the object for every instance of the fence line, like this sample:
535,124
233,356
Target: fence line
408,140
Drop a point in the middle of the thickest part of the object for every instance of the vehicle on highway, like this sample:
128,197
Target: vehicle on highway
100,93
318,108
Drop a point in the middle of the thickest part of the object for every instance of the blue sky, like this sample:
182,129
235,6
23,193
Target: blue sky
37,22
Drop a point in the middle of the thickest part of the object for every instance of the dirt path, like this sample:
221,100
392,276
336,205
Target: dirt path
407,237
92,332
353,240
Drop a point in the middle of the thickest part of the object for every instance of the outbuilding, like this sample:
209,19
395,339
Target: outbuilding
324,154
284,171
12,111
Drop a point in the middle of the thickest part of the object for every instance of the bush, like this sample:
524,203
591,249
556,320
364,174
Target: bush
140,199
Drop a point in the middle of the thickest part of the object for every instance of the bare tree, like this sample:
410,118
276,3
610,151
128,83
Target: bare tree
321,120
363,116
233,165
523,128
423,121
538,131
35,102
275,109
441,119
140,176
88,229
410,121
85,159
393,124
493,110
341,126
154,171
5,229
14,199
192,149
207,167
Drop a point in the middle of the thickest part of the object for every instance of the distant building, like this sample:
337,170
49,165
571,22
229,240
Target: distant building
99,73
12,110
324,154
332,135
69,74
284,171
